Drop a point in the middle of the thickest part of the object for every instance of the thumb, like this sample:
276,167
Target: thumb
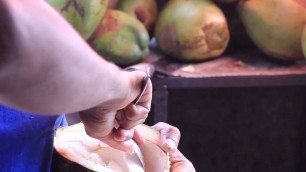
170,136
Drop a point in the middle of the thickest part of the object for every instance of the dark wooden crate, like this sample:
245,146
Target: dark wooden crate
240,112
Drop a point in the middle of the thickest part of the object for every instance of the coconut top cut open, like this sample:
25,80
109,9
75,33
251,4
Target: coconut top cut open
74,144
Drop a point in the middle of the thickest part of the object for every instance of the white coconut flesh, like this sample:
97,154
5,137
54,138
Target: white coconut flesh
74,144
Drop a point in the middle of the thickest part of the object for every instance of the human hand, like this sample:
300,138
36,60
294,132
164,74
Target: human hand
113,122
179,163
170,137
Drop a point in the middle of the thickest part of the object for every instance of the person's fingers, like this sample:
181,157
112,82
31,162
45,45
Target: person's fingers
101,125
170,136
145,100
171,133
138,137
179,163
144,87
122,139
142,108
127,121
121,135
130,124
168,131
169,146
102,128
97,122
134,113
125,146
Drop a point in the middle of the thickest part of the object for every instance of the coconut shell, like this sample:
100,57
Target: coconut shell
62,164
75,151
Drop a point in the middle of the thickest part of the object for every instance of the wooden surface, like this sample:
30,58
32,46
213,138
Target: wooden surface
248,63
242,112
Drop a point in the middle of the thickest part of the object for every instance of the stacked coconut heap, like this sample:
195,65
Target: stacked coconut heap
195,30
188,30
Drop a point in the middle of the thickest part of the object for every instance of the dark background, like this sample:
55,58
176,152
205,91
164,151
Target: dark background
247,129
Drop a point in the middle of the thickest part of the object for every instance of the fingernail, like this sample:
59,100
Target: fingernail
131,149
171,145
120,138
116,125
131,152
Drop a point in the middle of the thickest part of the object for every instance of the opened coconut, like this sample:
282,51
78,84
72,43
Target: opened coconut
76,151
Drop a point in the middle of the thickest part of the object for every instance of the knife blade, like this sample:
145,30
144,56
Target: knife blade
144,86
144,82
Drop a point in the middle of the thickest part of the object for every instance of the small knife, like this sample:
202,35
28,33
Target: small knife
144,82
144,86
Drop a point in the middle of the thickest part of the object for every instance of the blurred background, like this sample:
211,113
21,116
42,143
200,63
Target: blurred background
230,74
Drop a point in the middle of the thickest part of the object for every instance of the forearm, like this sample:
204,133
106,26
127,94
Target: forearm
52,70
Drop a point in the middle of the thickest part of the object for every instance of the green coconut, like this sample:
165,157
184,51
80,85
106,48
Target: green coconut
192,30
304,42
145,11
112,4
226,1
121,38
240,39
275,26
83,15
